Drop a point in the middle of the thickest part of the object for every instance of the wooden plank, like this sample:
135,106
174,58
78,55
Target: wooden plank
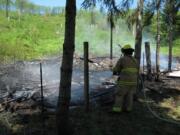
174,74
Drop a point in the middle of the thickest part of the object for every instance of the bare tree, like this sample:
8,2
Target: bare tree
138,36
158,3
171,10
112,25
20,5
92,14
66,69
7,8
113,14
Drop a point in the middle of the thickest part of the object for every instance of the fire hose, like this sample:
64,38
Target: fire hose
146,102
148,106
150,109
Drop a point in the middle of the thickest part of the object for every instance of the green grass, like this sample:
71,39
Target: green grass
176,51
176,48
36,36
174,110
31,37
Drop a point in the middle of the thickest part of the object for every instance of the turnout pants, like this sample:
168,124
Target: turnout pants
124,97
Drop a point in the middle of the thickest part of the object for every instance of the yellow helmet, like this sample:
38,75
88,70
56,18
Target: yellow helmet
127,49
127,46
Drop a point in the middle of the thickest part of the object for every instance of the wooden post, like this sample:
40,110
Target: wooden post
42,100
148,60
143,62
143,68
86,76
42,93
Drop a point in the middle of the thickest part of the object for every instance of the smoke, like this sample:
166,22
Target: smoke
27,79
163,61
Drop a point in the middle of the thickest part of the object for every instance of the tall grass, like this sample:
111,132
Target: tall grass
31,37
36,36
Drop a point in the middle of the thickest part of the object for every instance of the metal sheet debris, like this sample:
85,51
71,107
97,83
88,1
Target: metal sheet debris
174,74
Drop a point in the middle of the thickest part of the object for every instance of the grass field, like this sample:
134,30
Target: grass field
36,36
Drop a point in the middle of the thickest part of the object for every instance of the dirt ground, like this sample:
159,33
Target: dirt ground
99,121
142,121
162,98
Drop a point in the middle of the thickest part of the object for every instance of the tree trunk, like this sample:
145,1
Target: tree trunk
66,70
92,16
148,60
111,37
19,15
157,41
138,38
170,48
170,33
7,9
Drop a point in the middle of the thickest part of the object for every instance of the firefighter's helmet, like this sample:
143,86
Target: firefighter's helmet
127,48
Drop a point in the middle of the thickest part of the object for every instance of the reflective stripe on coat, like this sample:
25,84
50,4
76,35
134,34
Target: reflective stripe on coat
127,69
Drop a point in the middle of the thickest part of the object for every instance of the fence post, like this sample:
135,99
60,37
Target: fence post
42,100
86,76
148,60
42,93
143,74
143,62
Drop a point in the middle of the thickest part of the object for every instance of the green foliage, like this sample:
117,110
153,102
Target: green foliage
164,27
98,35
35,36
176,48
31,37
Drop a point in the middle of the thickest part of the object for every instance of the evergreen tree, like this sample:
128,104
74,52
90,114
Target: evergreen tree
171,19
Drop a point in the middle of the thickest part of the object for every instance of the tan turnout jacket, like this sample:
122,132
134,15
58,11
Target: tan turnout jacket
127,69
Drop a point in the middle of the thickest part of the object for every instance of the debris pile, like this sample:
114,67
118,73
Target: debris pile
22,104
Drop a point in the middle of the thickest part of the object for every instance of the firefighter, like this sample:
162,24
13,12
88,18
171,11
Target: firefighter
127,70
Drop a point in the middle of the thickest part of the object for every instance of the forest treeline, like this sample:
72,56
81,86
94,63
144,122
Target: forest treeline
25,6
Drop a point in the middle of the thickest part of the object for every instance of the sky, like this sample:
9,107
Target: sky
53,3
